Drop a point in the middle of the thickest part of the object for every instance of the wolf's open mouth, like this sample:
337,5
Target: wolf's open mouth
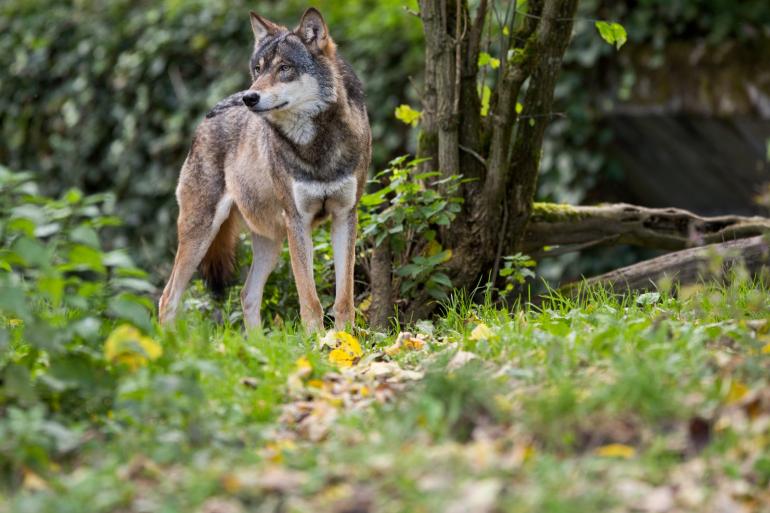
259,111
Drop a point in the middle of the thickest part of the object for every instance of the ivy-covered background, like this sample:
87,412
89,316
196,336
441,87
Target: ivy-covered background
104,96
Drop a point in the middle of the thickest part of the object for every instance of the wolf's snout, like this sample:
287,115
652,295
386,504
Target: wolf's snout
251,99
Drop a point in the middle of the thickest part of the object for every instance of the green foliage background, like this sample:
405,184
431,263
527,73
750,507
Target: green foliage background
105,95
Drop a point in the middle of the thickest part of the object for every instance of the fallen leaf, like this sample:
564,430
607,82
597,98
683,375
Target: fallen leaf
459,359
477,496
737,391
302,369
481,332
221,505
405,341
249,382
347,352
33,481
615,451
127,345
253,481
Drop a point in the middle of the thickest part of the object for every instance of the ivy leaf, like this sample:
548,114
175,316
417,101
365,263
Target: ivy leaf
613,33
408,115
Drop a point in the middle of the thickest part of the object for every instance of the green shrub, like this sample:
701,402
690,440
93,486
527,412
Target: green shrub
60,296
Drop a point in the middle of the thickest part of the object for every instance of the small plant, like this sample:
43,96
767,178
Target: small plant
516,269
406,214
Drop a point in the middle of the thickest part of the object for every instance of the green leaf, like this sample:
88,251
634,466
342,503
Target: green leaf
18,383
486,94
130,308
85,235
486,59
85,258
612,32
408,115
32,251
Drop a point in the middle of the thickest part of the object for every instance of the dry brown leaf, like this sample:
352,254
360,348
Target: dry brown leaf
459,359
477,497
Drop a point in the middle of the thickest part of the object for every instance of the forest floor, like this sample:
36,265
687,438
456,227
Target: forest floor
650,404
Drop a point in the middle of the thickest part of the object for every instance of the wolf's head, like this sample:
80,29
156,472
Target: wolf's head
292,71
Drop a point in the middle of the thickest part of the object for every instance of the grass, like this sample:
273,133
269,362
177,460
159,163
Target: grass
645,403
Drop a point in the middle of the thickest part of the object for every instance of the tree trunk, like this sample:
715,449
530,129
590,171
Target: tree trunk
381,307
500,153
499,156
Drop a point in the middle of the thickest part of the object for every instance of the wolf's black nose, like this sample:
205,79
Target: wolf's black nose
250,99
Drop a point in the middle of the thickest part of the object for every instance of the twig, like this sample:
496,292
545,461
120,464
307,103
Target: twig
473,153
501,238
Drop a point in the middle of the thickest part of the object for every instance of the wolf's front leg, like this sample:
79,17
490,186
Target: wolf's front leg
298,229
265,253
344,245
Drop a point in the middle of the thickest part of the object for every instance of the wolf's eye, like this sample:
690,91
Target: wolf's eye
284,67
257,68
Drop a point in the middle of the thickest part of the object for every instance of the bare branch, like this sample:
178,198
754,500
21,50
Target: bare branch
660,228
684,267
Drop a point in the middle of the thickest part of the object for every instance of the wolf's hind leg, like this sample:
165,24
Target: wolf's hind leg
198,224
265,254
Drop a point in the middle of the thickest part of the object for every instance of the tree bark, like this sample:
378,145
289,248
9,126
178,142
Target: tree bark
381,307
685,267
551,39
570,228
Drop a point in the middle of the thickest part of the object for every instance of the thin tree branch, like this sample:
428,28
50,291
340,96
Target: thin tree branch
659,228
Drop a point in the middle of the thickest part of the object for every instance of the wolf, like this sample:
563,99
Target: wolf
281,157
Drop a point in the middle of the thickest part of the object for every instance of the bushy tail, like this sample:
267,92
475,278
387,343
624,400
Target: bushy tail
218,266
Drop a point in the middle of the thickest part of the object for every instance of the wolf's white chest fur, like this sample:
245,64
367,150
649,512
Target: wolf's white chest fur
310,197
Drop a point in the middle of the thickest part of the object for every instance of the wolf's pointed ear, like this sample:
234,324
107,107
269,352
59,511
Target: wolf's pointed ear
312,29
261,27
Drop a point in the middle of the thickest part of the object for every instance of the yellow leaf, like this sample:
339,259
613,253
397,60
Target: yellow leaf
126,345
231,483
432,248
303,365
14,323
329,340
365,304
408,115
33,481
414,343
481,332
737,391
766,348
315,383
405,340
529,452
615,451
348,352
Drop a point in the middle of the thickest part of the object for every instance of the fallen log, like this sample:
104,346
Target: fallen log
555,229
686,267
